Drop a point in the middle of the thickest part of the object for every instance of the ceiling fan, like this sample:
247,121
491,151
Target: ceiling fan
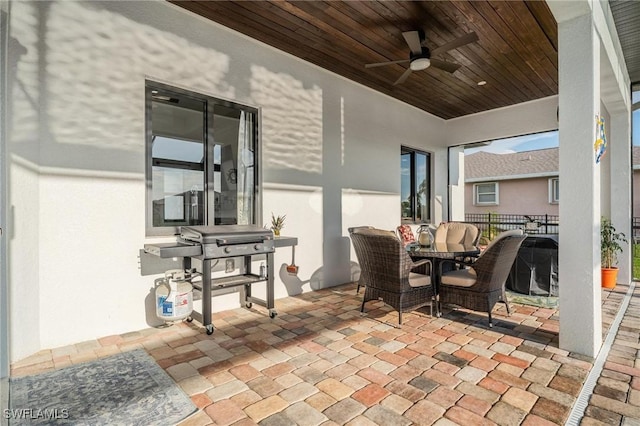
421,57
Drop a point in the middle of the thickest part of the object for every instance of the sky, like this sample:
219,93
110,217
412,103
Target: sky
546,139
519,144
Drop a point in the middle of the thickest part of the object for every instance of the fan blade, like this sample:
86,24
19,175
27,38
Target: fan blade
403,77
380,64
413,40
454,44
444,65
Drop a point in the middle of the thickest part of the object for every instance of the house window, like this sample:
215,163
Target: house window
201,156
415,185
554,190
486,193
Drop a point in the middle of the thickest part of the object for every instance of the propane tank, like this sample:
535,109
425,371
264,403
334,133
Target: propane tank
174,296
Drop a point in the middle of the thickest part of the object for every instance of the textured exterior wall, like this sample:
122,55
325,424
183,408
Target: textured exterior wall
517,196
77,145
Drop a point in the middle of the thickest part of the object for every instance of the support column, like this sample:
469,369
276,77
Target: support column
621,175
456,183
579,249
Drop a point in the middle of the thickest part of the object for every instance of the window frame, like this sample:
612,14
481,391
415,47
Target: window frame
209,168
496,192
413,191
554,190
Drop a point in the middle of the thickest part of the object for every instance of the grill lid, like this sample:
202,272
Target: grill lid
225,234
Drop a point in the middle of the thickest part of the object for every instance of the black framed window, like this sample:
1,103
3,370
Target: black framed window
415,185
201,160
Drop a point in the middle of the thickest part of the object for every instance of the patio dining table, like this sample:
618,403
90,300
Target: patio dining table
439,252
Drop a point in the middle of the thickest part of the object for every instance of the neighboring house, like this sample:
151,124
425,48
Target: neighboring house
522,182
517,183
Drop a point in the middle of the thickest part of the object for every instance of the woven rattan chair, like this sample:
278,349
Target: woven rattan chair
352,230
481,285
386,272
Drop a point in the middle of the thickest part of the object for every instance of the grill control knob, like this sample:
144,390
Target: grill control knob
227,250
257,247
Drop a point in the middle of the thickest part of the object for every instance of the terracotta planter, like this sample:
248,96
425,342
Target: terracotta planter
609,277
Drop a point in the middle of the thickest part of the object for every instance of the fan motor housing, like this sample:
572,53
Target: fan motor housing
426,53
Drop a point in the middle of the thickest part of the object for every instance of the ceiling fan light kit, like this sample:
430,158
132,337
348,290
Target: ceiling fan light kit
419,64
420,57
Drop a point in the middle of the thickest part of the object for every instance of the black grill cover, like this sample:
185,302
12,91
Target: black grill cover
535,271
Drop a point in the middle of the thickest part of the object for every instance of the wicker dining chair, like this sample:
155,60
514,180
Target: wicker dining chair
386,272
480,286
352,230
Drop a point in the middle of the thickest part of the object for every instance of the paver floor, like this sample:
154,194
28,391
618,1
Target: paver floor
320,362
616,396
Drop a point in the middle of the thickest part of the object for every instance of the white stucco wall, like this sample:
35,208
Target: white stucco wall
516,120
76,141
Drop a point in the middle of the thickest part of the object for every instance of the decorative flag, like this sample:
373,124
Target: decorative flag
600,145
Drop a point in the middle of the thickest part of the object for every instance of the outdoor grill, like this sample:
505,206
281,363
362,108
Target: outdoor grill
211,243
229,240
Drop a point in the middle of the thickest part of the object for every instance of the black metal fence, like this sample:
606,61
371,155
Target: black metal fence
490,224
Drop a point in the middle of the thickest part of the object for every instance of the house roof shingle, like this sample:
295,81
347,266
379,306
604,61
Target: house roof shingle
543,162
482,165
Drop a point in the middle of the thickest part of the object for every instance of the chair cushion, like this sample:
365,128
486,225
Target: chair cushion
472,236
383,232
374,231
418,280
461,278
455,234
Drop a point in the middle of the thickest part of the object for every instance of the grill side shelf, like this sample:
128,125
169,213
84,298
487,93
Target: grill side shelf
179,249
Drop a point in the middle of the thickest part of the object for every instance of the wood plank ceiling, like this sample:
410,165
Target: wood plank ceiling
516,54
626,15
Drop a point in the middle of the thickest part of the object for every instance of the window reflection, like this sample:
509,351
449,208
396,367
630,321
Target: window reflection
177,174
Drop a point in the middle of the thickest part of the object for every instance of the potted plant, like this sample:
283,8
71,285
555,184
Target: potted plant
610,241
277,223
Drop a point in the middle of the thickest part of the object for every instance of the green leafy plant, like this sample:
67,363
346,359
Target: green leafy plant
489,233
277,223
610,241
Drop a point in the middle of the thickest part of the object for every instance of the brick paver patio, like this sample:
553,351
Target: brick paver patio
616,397
320,362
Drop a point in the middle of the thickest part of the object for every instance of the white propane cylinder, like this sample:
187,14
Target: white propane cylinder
174,296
